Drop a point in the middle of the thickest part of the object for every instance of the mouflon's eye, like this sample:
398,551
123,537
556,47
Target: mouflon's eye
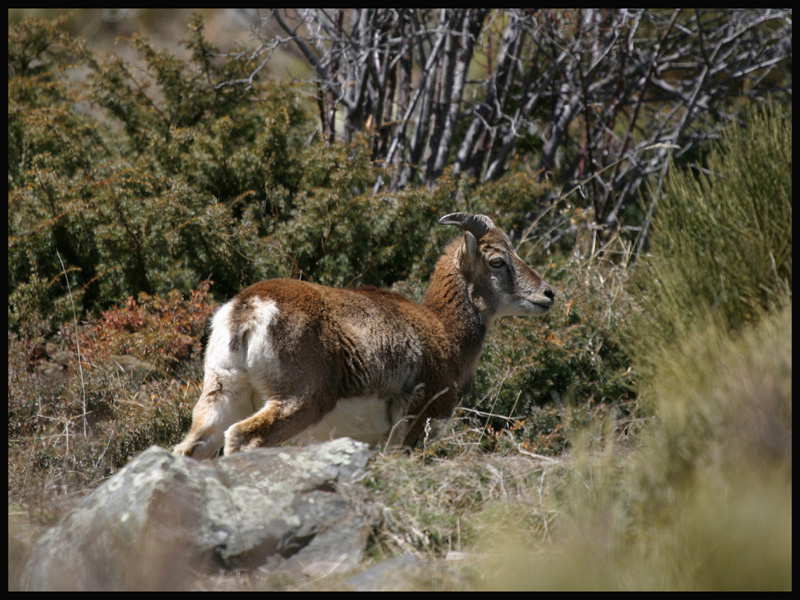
497,262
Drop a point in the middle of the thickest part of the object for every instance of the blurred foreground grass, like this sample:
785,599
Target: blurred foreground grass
704,504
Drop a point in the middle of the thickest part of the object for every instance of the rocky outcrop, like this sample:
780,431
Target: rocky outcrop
395,574
164,518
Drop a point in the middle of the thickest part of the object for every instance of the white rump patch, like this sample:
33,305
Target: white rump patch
261,313
261,360
218,353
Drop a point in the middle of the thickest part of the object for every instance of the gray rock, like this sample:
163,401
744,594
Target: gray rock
395,574
164,517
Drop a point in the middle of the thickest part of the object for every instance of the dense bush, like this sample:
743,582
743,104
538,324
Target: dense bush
138,177
149,178
722,250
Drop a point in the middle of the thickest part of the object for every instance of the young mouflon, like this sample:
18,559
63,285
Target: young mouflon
290,359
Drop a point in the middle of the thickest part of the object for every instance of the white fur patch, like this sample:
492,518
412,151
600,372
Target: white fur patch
255,325
261,355
363,419
242,369
218,353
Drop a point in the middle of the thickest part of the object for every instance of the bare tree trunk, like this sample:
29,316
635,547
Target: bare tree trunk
601,98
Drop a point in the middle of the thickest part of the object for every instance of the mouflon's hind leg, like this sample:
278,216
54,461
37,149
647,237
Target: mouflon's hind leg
279,420
226,399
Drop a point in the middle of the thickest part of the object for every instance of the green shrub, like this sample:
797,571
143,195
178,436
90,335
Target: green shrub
140,179
149,178
722,245
704,500
341,234
704,503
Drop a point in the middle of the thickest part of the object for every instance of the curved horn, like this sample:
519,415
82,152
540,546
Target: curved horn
477,225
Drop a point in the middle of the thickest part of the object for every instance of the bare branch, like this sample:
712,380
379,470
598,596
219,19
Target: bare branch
585,92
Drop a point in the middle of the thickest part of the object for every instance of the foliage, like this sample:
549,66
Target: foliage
703,504
163,189
340,234
82,403
178,180
722,250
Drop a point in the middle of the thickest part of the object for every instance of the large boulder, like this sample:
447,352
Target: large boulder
165,518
